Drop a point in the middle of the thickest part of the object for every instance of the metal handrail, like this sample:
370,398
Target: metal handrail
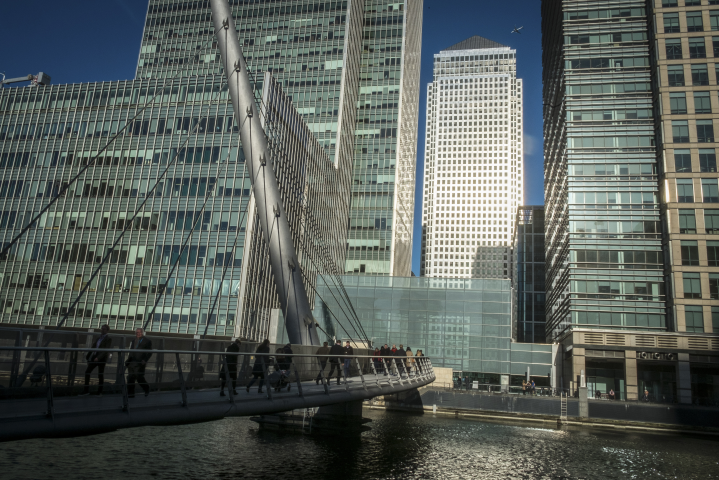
194,352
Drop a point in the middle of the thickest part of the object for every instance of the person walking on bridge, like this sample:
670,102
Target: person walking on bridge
137,361
96,359
323,351
258,370
231,362
410,359
337,351
349,351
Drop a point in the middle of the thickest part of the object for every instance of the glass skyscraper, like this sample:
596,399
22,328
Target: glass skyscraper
602,214
352,70
349,68
473,161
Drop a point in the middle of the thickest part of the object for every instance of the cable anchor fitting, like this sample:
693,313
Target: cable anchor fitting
238,67
276,210
226,23
263,159
291,264
248,111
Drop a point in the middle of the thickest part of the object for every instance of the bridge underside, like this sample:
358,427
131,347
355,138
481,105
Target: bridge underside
76,416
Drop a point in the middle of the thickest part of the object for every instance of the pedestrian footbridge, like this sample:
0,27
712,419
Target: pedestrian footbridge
41,387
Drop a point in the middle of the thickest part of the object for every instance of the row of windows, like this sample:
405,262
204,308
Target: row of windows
694,318
688,221
709,190
687,3
125,254
694,20
693,285
683,160
697,48
678,102
699,74
704,131
120,284
690,253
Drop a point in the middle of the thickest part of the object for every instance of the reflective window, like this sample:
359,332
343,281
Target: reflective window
702,102
710,193
697,48
678,102
680,131
707,160
673,48
693,318
694,22
676,75
690,252
682,160
692,285
685,190
671,23
700,75
711,221
687,221
713,253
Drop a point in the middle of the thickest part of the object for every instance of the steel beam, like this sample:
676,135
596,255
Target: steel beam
286,271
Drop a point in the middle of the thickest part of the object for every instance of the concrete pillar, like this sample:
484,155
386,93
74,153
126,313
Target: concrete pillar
578,364
583,402
684,379
630,374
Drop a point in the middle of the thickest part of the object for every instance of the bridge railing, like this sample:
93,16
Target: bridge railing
51,373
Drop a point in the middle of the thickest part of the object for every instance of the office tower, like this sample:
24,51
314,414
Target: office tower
687,110
352,71
528,318
348,69
473,161
629,194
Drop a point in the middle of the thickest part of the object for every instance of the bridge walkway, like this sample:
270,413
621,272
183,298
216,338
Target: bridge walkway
31,412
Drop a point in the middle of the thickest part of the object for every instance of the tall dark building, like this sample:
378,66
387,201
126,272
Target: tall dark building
528,319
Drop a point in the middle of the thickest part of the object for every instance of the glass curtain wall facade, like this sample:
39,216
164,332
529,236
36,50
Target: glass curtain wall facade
48,134
351,69
463,324
603,230
473,161
528,319
686,70
326,56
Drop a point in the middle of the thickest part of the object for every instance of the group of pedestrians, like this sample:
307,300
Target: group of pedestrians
529,387
404,359
339,358
138,356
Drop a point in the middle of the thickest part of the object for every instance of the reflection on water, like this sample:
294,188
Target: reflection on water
399,446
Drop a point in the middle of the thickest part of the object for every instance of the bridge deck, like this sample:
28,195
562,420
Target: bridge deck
44,416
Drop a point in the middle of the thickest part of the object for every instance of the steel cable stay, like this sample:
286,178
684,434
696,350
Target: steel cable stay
150,194
6,248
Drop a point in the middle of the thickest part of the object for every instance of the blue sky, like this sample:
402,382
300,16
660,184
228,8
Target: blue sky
96,40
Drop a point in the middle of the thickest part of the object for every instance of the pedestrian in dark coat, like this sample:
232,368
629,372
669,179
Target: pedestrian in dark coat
337,352
322,351
137,361
349,351
231,361
258,370
400,357
97,359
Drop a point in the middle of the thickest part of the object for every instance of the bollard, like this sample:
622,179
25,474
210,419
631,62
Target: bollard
434,408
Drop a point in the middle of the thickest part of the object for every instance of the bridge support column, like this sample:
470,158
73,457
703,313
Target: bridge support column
338,419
